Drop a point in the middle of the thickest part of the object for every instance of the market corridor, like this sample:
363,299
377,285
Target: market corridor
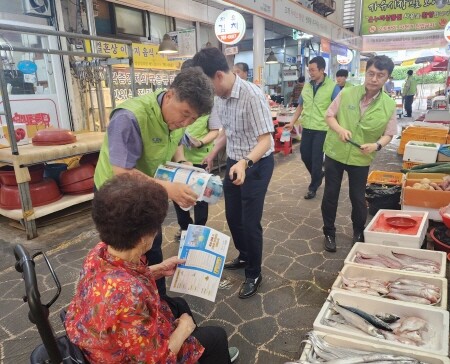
267,328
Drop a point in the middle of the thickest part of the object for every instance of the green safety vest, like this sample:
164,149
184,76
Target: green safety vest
198,130
159,143
347,84
410,86
366,128
315,106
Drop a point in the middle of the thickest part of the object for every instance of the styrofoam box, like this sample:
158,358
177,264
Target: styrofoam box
397,239
422,152
433,214
356,271
439,257
436,338
346,342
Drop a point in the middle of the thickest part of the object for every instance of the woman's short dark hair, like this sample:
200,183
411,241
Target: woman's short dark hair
381,63
128,207
192,86
319,61
301,79
410,72
211,60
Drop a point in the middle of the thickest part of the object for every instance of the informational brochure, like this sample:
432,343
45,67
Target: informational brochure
205,251
183,173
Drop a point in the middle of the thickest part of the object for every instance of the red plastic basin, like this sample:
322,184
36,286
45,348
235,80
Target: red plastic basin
42,193
8,177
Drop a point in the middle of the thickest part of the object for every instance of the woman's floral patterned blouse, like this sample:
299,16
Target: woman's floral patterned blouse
117,316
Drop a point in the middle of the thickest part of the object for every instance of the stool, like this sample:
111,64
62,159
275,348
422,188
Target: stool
285,147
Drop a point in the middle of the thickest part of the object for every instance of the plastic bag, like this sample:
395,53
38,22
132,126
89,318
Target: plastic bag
374,191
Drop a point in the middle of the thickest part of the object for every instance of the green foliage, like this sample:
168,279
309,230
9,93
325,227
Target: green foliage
399,73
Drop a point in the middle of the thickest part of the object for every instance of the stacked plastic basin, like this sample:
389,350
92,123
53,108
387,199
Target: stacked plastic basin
436,347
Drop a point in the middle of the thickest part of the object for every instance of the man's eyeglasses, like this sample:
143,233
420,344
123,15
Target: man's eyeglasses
378,76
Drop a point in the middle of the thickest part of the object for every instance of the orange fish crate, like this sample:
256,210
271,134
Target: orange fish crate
422,134
409,165
385,178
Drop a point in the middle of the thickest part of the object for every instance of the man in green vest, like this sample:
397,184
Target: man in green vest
197,144
408,92
341,79
145,132
314,100
362,120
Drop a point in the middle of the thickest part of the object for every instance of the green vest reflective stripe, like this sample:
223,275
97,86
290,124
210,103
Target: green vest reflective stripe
315,106
198,130
366,128
159,144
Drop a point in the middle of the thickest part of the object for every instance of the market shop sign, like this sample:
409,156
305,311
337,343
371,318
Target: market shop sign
345,59
144,55
447,32
145,81
394,16
415,40
230,27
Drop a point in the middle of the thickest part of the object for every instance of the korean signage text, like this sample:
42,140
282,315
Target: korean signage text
146,81
229,27
393,16
144,55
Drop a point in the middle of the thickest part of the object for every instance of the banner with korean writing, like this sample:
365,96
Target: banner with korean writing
393,16
144,55
146,81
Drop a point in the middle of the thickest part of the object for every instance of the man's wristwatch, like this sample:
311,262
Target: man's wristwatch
249,162
379,146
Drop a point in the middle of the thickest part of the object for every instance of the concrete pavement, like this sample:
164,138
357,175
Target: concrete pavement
267,328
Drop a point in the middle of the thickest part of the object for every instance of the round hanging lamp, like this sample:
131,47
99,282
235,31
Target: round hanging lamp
167,45
271,58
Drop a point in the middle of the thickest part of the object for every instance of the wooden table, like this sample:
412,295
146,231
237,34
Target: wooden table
28,155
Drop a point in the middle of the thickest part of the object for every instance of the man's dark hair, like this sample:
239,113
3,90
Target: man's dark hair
128,207
319,61
187,63
211,60
243,66
381,63
342,73
410,72
192,86
301,79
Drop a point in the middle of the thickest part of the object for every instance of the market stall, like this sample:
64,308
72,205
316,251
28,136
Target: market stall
23,156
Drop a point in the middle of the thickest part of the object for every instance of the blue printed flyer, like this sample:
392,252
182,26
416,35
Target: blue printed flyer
205,251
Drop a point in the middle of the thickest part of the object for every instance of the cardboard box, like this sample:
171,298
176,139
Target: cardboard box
355,344
397,239
424,198
30,132
422,152
21,135
435,339
360,271
367,248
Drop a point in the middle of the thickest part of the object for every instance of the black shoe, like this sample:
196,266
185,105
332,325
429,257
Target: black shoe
358,237
177,236
330,243
309,195
235,264
250,286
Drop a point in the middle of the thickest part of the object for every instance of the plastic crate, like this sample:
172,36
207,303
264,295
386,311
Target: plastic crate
409,165
385,178
422,134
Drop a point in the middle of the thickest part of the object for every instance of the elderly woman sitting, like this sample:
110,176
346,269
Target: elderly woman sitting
117,315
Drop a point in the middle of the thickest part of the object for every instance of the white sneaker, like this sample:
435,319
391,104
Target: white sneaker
234,353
